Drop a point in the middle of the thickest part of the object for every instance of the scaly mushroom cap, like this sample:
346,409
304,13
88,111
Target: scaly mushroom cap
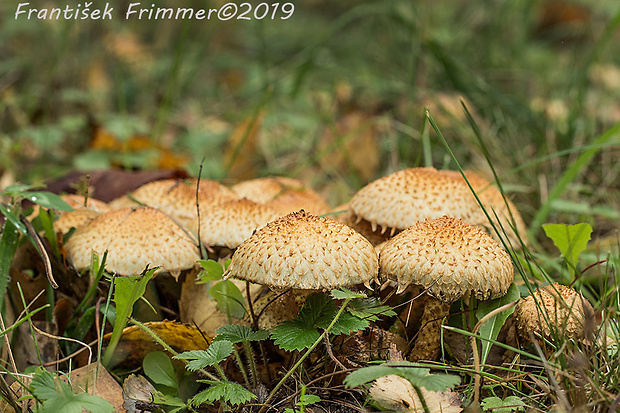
232,222
134,238
177,198
285,195
303,251
74,219
403,198
553,304
77,202
449,258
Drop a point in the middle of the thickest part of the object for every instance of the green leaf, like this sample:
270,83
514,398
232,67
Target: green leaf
77,403
48,200
508,405
229,298
13,219
127,290
57,396
199,359
318,311
369,309
16,189
9,239
308,399
158,367
211,271
490,329
236,333
419,377
571,240
345,293
294,335
227,391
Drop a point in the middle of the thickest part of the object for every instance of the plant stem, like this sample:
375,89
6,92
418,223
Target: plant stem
162,343
305,356
241,367
8,247
250,354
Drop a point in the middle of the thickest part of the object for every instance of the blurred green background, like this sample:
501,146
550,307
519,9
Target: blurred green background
334,95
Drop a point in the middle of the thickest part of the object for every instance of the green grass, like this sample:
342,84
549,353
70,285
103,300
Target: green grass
536,109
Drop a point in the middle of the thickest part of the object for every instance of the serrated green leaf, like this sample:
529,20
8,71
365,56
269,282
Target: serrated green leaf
490,329
347,323
211,271
48,200
508,405
345,293
199,359
237,333
369,309
229,298
43,384
227,391
419,377
308,399
571,240
158,367
294,335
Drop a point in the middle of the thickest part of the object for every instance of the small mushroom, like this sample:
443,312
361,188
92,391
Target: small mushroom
285,195
554,311
301,251
450,259
134,238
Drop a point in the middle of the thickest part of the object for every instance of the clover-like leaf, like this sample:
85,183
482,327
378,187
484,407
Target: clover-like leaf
211,271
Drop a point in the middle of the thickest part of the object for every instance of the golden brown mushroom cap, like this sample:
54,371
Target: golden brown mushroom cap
134,238
177,198
449,258
74,219
405,197
556,305
232,222
285,195
303,251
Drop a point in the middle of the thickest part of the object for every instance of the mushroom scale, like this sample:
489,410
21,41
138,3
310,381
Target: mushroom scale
304,251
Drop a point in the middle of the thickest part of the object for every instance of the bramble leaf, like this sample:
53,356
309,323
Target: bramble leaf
227,391
236,333
369,309
345,293
294,335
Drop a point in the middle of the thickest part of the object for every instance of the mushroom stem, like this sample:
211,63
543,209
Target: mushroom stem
427,343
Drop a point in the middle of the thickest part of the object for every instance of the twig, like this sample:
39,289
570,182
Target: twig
328,347
47,263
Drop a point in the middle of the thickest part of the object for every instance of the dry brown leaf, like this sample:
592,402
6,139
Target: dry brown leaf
103,386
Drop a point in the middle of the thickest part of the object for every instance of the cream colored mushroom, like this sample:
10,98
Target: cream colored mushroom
301,251
284,195
403,198
450,259
134,238
177,198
